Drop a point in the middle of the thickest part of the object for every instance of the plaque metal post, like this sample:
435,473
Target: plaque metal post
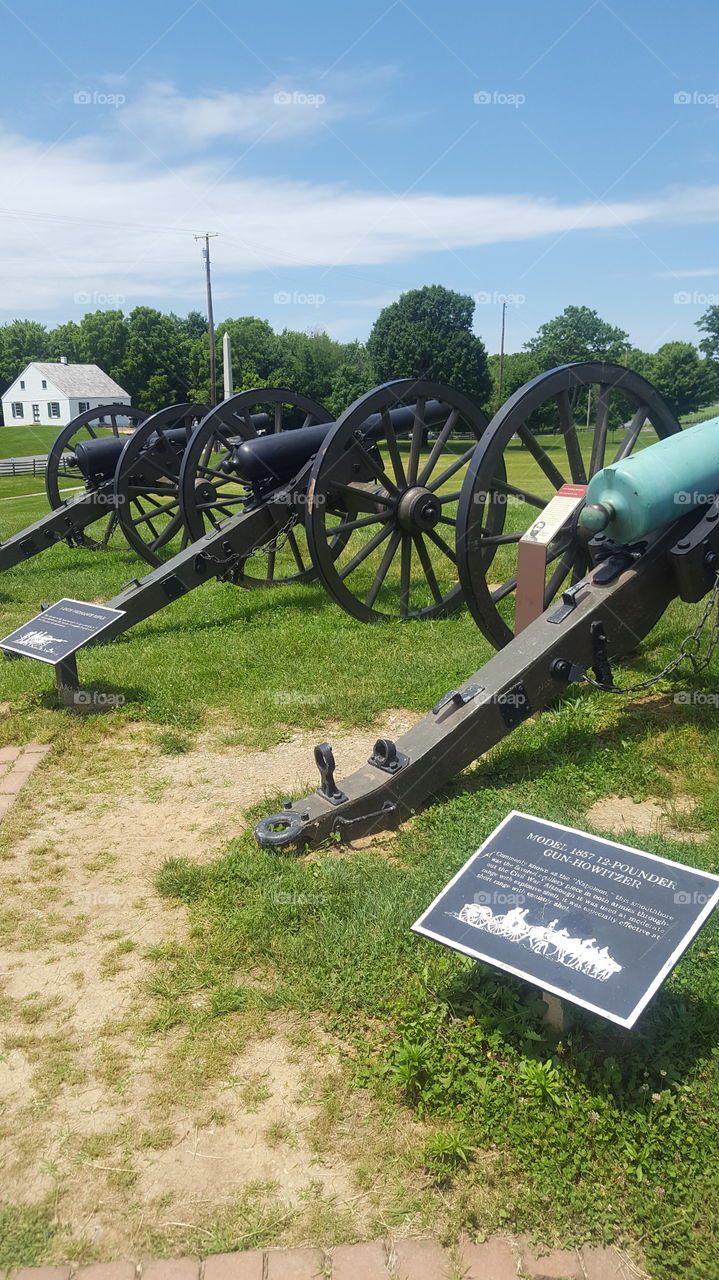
68,682
554,1014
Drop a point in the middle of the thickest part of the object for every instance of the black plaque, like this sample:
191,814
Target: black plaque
61,630
590,920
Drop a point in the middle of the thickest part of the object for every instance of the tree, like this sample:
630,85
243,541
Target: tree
352,378
66,340
709,324
255,351
154,370
103,341
427,333
685,380
519,367
20,342
578,333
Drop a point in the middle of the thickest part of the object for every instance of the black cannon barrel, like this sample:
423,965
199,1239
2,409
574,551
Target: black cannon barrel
98,458
279,457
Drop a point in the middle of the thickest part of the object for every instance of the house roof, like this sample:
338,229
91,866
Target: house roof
79,380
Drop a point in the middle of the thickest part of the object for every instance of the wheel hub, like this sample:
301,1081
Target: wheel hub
418,510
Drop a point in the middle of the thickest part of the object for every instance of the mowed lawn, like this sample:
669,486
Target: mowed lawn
606,1135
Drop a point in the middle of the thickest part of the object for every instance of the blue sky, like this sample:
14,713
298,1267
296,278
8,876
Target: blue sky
552,153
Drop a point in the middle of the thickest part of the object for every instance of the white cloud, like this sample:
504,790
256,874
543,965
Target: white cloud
88,221
289,108
696,272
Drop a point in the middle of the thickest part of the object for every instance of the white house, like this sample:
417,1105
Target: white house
56,393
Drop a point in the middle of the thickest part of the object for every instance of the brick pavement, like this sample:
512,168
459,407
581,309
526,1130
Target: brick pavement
499,1258
16,765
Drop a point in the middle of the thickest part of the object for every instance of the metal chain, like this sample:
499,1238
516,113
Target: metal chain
278,542
229,564
690,650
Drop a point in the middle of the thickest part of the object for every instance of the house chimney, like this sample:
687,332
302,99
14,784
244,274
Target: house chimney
63,359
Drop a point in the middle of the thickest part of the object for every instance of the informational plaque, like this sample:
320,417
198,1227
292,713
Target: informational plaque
587,919
58,632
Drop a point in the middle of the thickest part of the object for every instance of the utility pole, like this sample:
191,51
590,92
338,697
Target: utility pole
501,353
210,235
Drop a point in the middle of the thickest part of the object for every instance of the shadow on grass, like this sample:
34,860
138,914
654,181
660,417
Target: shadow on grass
677,1031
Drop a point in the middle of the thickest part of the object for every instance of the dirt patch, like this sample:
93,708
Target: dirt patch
645,817
89,1116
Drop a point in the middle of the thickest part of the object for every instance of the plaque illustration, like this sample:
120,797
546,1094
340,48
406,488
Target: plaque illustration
38,639
546,940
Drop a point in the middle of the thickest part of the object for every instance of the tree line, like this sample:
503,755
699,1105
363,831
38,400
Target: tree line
162,358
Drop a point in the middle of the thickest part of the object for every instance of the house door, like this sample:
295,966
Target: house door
36,413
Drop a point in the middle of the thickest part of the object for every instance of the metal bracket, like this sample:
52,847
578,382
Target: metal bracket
569,603
514,705
325,761
602,666
385,756
614,565
173,588
460,697
563,669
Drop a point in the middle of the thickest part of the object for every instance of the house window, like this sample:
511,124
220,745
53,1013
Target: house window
53,408
83,406
17,410
44,385
22,386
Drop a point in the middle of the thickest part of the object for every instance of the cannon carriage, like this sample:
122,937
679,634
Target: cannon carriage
266,490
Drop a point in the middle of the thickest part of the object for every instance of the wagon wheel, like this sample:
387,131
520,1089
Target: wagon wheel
63,476
394,490
146,488
210,493
513,448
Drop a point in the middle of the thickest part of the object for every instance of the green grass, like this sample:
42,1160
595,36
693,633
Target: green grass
26,1235
25,442
606,1136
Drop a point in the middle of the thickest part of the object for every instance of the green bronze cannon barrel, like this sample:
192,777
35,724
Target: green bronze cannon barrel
649,489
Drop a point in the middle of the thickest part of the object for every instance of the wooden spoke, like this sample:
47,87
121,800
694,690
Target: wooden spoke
438,446
393,449
600,432
381,573
440,542
405,571
367,550
427,567
294,548
376,468
347,526
277,418
529,440
632,433
451,471
360,494
571,440
533,499
499,539
416,444
506,589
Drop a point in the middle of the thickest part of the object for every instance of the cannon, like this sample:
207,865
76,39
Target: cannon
662,504
378,495
239,496
118,491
